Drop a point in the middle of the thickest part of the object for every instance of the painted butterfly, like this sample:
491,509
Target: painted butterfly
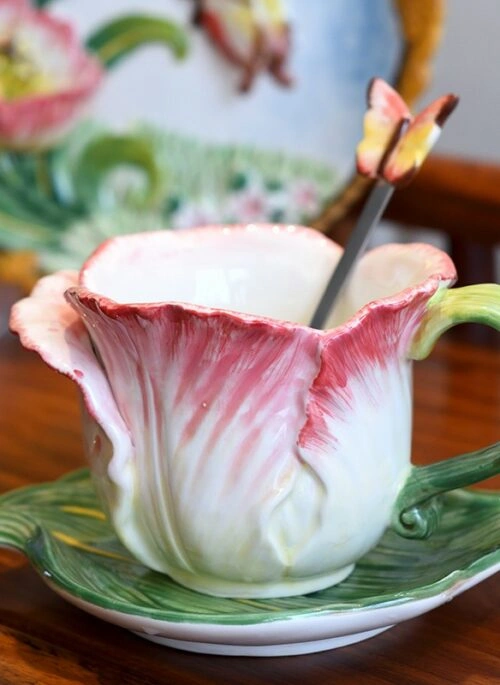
252,34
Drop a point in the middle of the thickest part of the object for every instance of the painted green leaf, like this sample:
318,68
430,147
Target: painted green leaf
120,37
22,234
31,215
63,531
29,182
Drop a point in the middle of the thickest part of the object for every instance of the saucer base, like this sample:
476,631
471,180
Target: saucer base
291,649
289,587
66,536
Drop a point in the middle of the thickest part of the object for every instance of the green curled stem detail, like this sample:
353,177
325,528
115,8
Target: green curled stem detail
416,514
117,39
108,152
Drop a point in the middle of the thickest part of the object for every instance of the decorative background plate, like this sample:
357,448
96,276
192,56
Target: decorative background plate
65,535
203,151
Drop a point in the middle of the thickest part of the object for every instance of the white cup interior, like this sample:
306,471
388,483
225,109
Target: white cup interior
273,271
277,272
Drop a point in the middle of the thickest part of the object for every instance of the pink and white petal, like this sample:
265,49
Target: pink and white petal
388,274
357,435
40,120
56,47
74,75
12,12
51,44
214,403
48,325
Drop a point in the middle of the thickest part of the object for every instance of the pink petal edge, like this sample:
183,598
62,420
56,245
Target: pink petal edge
379,329
48,325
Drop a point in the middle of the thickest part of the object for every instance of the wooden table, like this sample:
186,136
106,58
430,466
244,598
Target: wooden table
44,641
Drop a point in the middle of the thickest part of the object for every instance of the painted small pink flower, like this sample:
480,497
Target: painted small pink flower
46,77
305,197
200,213
249,205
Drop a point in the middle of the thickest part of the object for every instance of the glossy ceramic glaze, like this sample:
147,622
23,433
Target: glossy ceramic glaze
236,449
63,531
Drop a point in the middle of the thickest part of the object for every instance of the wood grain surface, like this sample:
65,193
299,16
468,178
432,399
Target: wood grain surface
44,641
455,195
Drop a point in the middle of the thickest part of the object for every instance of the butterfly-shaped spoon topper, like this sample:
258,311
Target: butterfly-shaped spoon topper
395,144
393,149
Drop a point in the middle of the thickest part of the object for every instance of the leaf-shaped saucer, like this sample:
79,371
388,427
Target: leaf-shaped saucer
64,533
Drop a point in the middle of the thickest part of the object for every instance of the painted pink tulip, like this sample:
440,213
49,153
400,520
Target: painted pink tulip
46,77
236,448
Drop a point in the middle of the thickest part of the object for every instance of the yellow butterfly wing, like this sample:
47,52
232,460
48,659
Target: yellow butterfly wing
410,151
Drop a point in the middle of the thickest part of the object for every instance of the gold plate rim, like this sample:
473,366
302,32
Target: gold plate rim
421,27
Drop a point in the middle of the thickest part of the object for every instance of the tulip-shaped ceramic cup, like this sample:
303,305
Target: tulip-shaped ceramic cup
235,448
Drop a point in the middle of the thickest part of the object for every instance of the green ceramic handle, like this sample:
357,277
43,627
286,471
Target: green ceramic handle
416,513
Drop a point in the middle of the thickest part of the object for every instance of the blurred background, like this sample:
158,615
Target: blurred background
467,63
168,140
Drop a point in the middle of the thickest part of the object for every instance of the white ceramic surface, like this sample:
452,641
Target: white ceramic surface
238,450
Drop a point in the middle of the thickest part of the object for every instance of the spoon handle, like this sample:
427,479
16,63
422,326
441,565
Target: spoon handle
369,217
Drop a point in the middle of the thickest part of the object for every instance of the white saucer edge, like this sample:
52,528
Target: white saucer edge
292,649
296,635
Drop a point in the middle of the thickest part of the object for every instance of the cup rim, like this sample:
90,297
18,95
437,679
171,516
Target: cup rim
444,275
